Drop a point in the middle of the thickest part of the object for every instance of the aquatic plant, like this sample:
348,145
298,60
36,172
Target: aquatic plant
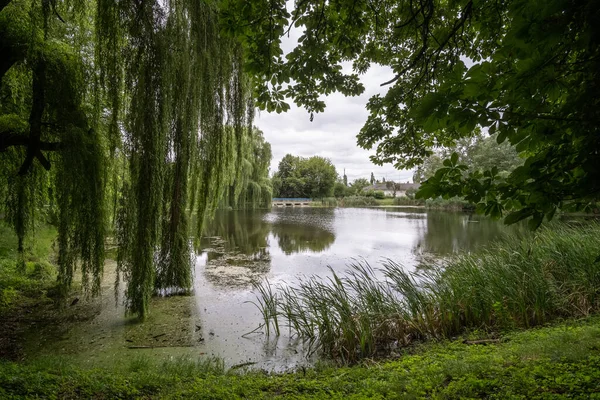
525,280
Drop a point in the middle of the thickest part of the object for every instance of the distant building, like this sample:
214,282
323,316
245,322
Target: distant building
392,189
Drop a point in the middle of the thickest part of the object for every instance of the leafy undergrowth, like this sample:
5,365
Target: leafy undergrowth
25,278
561,361
26,281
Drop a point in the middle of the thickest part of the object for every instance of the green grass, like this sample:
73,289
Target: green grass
453,204
349,201
524,281
405,201
388,201
561,361
23,279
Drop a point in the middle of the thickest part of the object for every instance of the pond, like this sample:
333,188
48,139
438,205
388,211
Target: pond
238,248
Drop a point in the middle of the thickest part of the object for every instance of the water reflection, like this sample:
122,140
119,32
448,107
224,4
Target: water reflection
293,238
303,229
239,247
240,231
236,245
444,233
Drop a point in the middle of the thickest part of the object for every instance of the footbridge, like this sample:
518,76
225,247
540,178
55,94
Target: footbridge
291,202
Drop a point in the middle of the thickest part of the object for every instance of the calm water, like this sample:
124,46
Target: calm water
240,247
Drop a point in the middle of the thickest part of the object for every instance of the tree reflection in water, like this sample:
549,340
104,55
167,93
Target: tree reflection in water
294,238
446,233
236,243
244,231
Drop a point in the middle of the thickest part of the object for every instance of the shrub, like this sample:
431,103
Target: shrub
357,201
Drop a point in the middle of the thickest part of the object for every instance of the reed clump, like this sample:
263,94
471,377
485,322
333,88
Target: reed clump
524,280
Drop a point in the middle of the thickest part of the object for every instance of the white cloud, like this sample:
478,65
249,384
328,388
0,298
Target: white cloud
331,134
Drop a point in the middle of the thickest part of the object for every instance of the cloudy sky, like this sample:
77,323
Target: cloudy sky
331,134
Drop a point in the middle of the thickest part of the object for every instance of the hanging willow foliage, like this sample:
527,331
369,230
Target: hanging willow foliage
44,122
151,86
250,188
188,107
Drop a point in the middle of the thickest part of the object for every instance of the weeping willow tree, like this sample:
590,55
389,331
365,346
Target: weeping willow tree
251,187
50,144
180,89
138,106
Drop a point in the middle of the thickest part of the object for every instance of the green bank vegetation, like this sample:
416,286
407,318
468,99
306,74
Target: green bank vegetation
552,362
299,177
24,277
452,204
523,281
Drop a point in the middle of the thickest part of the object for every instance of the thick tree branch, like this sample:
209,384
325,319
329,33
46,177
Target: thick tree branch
33,141
10,56
11,139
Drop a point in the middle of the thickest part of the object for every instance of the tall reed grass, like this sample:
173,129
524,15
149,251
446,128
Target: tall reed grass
524,280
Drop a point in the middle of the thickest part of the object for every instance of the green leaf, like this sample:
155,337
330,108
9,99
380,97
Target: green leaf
517,216
454,158
536,221
426,191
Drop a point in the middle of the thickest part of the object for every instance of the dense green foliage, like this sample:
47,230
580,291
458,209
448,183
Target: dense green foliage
251,188
358,185
48,119
19,282
140,109
522,282
526,70
312,177
553,362
479,153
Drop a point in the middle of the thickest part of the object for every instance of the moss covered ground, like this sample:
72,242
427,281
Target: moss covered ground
558,361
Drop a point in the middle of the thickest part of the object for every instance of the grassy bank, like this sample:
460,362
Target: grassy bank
553,362
453,204
520,282
25,282
350,201
22,279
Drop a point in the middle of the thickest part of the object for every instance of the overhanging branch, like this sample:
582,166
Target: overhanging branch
458,24
34,149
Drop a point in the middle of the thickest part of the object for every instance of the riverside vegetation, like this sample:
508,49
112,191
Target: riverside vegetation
560,361
452,204
524,281
145,108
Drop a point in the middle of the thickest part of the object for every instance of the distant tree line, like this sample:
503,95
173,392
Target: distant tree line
312,177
